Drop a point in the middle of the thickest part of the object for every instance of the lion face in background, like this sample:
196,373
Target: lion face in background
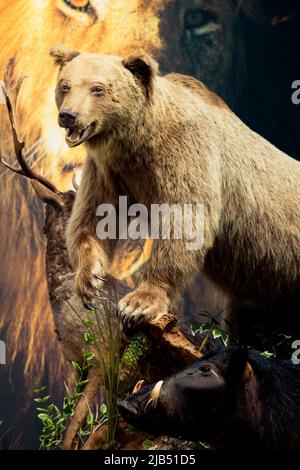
193,37
114,27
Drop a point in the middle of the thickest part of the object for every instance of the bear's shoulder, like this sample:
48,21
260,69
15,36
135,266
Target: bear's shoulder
197,87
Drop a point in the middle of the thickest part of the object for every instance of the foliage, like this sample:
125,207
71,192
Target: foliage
105,336
210,328
273,343
274,340
267,354
107,341
54,420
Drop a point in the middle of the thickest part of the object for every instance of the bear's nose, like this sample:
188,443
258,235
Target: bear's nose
67,118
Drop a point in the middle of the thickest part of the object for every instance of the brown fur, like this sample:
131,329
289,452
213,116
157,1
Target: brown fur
182,146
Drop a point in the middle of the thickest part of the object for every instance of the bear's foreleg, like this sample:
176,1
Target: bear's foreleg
89,255
169,268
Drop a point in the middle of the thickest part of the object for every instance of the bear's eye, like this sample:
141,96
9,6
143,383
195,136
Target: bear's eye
198,22
65,88
97,90
205,370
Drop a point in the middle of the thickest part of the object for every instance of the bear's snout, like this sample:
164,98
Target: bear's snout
67,118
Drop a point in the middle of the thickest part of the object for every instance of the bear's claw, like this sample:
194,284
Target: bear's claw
146,303
88,285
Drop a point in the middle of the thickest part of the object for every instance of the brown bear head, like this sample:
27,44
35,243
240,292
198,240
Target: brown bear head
97,95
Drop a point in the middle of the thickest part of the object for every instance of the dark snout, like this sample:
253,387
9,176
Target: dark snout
128,411
67,118
135,405
139,410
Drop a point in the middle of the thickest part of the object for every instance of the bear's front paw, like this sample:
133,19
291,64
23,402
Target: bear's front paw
88,282
148,302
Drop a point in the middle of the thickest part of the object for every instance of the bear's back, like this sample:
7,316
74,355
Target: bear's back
197,87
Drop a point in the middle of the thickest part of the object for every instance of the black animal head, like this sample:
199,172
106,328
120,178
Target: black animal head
195,403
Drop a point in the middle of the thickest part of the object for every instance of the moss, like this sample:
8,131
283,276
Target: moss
137,347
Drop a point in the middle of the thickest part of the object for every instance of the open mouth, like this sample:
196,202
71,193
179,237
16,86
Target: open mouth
76,136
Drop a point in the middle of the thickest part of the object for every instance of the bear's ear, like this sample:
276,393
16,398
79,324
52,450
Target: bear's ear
63,54
144,68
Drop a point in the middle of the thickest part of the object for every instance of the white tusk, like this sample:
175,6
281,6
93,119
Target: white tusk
154,395
138,386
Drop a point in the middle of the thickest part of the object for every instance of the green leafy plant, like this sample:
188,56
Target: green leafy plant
54,420
93,422
275,340
103,338
104,335
267,354
212,329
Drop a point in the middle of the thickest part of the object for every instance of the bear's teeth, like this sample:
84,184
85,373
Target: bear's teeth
74,134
